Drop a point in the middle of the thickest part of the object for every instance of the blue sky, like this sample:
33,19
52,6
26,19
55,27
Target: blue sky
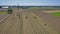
31,2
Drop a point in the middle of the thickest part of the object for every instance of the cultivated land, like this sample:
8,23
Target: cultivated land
26,21
55,13
52,11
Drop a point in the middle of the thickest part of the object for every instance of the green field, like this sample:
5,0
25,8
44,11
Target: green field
2,12
55,14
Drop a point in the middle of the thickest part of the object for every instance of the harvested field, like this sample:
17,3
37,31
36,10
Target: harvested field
30,22
42,25
3,17
10,25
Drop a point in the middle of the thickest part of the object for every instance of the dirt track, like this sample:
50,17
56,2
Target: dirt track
30,22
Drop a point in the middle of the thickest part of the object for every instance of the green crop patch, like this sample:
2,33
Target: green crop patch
55,14
2,12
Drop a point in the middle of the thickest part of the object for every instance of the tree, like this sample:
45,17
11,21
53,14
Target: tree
0,6
9,11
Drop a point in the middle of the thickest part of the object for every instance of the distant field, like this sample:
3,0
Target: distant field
44,8
55,14
2,12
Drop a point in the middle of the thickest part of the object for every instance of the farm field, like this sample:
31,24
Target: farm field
55,13
2,12
27,21
33,24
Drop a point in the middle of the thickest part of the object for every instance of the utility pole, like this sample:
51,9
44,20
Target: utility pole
18,6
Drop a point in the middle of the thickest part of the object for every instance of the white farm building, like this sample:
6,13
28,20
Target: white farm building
5,7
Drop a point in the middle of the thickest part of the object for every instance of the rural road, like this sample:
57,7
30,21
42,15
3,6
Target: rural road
33,22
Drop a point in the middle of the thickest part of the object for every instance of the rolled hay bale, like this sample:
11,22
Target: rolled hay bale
35,17
45,24
26,17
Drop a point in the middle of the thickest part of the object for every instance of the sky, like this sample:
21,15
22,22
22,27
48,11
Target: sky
31,2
